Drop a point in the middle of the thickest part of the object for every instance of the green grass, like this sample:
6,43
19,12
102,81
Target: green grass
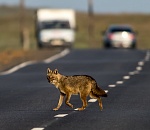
10,28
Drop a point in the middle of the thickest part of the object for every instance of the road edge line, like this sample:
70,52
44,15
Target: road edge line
57,56
24,64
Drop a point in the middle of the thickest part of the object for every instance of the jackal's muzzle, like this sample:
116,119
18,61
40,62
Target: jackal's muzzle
48,78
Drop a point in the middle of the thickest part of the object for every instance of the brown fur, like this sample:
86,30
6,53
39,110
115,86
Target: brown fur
78,84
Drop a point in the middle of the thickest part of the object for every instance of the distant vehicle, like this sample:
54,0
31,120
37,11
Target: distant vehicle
55,27
119,36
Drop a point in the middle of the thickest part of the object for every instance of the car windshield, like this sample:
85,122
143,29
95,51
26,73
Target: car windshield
120,29
55,25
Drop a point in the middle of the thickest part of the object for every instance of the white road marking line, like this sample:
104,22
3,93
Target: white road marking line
136,72
76,109
126,77
61,115
139,68
106,91
22,65
141,63
112,85
132,73
119,82
57,56
37,129
147,57
92,100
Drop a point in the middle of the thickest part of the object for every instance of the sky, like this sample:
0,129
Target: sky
99,6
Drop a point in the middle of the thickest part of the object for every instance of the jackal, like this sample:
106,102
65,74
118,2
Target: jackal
77,84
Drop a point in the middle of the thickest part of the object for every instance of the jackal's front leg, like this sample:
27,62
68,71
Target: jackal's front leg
68,96
59,102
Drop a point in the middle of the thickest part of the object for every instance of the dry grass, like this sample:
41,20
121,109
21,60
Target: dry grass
10,58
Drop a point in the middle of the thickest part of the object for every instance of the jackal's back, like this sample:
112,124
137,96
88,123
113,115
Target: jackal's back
78,80
85,82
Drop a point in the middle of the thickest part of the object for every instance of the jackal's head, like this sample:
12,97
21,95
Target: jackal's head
53,76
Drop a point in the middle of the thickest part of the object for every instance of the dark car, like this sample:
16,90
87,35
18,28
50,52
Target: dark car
119,36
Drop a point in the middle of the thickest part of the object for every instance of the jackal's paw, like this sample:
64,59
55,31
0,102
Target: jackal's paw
101,108
55,109
80,109
71,106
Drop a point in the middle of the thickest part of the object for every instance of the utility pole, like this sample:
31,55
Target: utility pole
24,33
90,22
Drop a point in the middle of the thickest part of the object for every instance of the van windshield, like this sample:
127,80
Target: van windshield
55,25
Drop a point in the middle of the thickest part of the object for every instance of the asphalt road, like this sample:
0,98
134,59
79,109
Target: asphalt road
27,99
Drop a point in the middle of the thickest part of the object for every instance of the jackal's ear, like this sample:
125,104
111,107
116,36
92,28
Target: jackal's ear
55,71
48,70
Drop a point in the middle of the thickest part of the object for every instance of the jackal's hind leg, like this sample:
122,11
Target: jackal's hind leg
99,100
100,103
84,101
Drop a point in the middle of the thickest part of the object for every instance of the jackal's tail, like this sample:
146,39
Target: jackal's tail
98,91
